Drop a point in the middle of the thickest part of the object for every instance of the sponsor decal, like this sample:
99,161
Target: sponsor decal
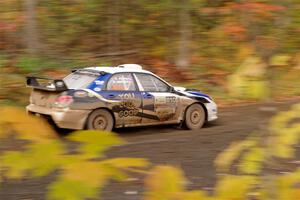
92,93
99,82
126,109
171,99
97,89
165,100
127,96
80,94
128,113
160,100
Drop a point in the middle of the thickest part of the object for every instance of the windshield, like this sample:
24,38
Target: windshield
79,80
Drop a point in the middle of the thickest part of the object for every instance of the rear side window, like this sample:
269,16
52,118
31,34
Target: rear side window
151,83
121,82
79,80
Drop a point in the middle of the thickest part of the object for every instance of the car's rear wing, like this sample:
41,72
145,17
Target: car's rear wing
48,84
91,71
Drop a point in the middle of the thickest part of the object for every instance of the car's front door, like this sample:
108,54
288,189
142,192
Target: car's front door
159,103
122,88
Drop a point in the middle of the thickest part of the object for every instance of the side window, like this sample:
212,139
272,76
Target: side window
121,82
151,83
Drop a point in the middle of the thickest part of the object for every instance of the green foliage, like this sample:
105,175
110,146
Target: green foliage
32,64
81,175
3,60
29,63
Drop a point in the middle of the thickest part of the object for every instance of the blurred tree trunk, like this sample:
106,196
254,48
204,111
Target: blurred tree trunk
183,58
113,26
31,32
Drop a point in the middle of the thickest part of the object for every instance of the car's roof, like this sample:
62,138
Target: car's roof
121,68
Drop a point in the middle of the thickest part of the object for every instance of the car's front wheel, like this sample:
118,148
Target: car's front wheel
194,117
100,119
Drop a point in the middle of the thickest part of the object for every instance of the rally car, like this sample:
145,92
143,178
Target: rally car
103,98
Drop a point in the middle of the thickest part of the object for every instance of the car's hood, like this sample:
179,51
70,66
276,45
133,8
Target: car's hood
191,92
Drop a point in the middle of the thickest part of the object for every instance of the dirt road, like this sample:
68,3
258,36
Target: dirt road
192,151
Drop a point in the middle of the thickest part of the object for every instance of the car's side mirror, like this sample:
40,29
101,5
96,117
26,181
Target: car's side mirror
172,89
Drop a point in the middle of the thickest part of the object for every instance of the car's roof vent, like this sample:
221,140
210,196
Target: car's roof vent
131,66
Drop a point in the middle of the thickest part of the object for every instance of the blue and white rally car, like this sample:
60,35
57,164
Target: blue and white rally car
104,98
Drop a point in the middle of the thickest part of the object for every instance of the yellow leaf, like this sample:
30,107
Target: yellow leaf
164,183
92,174
94,143
286,186
252,161
196,195
25,126
39,159
280,121
225,159
15,164
234,187
64,189
280,60
126,162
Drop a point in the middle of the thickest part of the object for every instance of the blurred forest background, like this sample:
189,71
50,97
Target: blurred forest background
233,49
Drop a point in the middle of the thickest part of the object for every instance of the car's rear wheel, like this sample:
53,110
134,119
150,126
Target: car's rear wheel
194,117
100,119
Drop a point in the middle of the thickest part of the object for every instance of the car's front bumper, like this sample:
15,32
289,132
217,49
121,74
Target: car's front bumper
63,118
212,111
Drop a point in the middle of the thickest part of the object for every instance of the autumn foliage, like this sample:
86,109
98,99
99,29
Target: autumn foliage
248,169
81,174
195,43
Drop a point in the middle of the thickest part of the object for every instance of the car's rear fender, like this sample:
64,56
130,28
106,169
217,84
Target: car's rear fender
43,98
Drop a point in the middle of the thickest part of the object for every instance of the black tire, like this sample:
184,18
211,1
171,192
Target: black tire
194,117
100,119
